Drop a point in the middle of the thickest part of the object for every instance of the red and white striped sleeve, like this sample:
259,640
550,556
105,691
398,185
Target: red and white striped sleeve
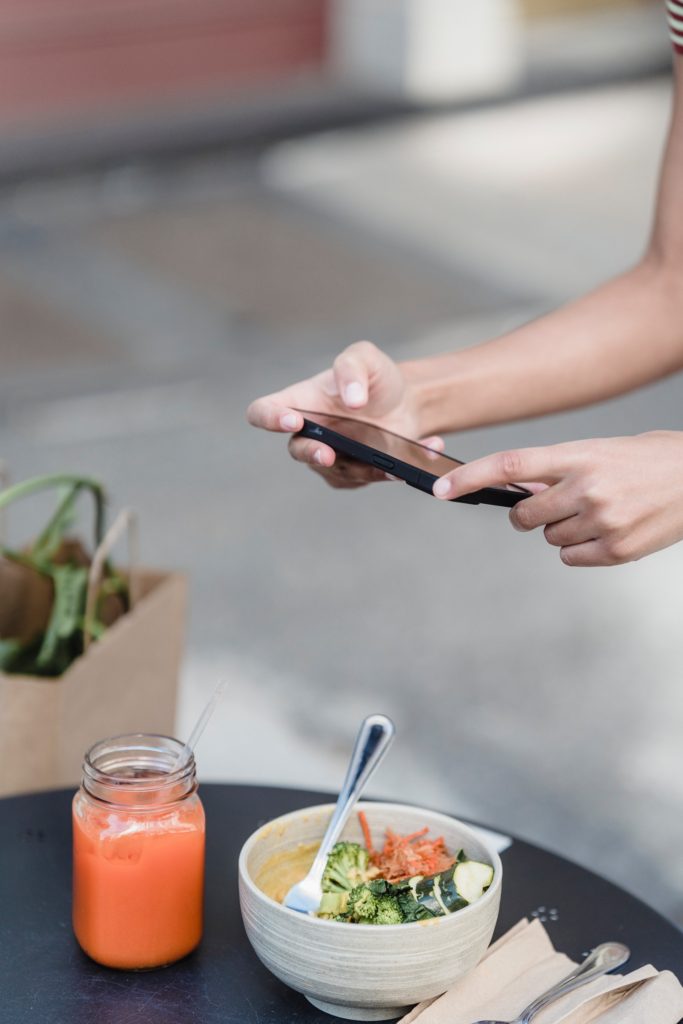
674,9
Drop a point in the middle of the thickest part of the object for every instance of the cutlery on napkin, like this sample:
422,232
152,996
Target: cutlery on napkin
523,963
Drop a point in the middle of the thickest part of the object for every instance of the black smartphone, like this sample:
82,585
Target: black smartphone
409,460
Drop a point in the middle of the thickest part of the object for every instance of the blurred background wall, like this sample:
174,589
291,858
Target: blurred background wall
199,203
66,58
83,80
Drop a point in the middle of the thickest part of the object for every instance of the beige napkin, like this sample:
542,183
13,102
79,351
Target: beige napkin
523,963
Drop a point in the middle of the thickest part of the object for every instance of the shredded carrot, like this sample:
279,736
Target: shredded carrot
405,856
367,835
416,835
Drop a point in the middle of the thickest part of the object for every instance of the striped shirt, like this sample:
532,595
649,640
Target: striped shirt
674,9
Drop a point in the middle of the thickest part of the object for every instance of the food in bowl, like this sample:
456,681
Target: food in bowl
412,878
363,973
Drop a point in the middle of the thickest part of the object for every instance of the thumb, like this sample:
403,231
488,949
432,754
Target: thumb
352,369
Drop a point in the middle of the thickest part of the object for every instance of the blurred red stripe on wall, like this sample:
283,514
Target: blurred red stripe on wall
61,57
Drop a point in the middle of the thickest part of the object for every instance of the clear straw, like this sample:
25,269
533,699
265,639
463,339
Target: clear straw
201,723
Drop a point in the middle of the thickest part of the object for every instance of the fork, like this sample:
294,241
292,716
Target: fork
372,742
604,958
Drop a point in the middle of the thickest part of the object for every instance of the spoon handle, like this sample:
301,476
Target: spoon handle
604,958
372,742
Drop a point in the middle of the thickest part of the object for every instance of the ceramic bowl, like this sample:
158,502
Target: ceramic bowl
365,972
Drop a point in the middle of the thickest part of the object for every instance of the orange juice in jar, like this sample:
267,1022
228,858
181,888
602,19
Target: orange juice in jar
138,853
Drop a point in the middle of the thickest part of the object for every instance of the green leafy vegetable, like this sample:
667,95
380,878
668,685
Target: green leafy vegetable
63,638
377,901
437,895
64,564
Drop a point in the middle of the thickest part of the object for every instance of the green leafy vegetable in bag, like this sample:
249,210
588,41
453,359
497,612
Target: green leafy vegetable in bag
47,635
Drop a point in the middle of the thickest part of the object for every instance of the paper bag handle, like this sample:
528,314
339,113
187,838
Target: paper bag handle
4,483
74,485
125,522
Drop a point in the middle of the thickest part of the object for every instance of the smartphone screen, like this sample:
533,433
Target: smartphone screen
392,453
390,444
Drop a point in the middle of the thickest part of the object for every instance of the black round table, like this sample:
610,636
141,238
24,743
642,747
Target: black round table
45,978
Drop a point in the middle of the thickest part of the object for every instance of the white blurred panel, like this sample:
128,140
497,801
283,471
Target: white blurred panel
428,49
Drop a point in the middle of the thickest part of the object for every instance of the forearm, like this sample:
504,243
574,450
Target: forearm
623,335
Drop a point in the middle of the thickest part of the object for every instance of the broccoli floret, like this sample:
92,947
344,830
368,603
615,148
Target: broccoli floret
388,911
347,866
368,906
362,904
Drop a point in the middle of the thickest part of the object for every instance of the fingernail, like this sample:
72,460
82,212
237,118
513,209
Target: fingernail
318,457
354,394
289,421
442,487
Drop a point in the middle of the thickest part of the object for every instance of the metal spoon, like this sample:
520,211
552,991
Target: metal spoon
372,742
603,959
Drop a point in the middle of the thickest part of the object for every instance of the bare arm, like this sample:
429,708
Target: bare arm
624,334
602,502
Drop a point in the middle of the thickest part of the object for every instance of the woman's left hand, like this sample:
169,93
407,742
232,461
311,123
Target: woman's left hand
606,501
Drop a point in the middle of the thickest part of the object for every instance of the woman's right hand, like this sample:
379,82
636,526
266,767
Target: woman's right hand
363,382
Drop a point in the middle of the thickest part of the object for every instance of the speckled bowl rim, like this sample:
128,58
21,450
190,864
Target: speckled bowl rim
446,921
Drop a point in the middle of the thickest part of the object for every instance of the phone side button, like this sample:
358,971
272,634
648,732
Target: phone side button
382,463
422,482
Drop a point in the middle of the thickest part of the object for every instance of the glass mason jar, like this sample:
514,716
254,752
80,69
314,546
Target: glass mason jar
138,853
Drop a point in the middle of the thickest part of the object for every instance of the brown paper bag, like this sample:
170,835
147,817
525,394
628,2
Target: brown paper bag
125,682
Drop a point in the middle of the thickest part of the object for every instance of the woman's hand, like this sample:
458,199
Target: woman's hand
363,382
606,501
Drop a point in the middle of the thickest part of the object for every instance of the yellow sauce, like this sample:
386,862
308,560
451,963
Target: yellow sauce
284,869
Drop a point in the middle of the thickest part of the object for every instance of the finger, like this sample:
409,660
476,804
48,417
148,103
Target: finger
533,487
352,370
339,472
268,414
546,465
358,473
311,452
551,505
342,477
435,443
575,530
592,553
435,446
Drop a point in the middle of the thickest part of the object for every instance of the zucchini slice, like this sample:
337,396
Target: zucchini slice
451,897
427,892
472,879
453,889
